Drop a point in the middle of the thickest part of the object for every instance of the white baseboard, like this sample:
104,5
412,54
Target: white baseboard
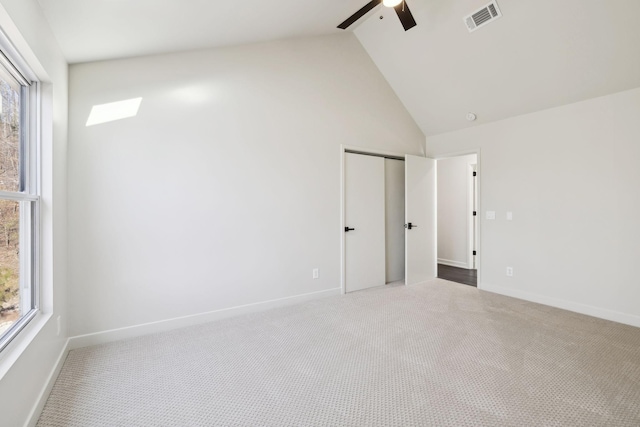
602,313
195,319
453,263
32,420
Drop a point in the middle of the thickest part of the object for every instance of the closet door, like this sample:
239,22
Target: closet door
364,221
420,225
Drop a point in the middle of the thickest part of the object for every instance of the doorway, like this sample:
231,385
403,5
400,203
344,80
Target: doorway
389,219
374,217
457,218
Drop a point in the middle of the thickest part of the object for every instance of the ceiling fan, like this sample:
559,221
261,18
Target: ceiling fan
402,10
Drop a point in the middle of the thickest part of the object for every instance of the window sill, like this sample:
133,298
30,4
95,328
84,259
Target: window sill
14,350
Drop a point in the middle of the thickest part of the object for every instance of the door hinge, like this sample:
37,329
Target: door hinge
475,173
475,213
474,253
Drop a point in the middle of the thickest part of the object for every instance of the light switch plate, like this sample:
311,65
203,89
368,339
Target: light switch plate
509,216
491,214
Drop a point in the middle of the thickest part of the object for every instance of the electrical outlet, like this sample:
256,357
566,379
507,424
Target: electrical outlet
316,273
510,271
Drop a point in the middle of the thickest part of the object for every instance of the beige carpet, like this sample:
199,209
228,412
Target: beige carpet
439,354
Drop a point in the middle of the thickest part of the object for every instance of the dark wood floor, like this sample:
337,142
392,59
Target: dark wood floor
458,275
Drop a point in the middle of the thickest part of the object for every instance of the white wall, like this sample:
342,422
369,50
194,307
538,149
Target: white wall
394,219
454,207
225,189
570,176
26,366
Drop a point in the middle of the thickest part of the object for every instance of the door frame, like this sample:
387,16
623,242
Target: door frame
478,234
364,151
472,223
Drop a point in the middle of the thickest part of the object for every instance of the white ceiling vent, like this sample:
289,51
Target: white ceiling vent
482,16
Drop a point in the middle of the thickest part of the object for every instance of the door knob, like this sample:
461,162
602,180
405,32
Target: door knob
409,226
347,229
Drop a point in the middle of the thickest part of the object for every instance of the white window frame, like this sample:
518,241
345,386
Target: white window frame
30,188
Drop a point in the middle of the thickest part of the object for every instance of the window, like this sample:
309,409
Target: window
19,202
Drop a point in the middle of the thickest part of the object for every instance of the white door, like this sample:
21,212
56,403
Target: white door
420,219
364,217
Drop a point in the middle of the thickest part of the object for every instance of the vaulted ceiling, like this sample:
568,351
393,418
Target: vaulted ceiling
90,30
540,54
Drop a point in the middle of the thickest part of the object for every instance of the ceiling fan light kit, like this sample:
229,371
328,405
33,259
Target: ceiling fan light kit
400,6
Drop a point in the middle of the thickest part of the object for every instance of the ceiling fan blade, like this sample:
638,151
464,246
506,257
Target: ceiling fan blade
405,15
359,14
